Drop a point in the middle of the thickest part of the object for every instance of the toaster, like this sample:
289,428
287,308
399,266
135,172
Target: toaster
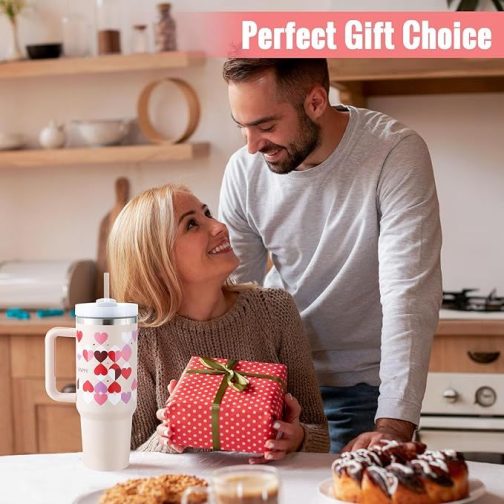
46,284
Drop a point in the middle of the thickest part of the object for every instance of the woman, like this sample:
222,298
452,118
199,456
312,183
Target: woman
171,257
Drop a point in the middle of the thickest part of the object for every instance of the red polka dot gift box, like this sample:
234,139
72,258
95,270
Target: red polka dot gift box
226,405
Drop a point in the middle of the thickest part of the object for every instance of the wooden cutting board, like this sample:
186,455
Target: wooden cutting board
122,190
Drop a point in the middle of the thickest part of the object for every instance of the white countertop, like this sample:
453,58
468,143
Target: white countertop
61,478
469,315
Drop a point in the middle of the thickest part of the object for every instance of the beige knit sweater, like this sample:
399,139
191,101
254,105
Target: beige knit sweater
263,325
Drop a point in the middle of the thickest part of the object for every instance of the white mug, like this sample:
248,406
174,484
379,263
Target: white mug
106,336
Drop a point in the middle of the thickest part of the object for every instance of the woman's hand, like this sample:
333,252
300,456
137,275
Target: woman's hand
163,430
290,434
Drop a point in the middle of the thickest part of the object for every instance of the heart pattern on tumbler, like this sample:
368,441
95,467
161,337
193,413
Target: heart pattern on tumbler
101,388
114,355
100,398
100,370
87,354
114,371
88,386
114,388
100,356
106,366
101,337
126,352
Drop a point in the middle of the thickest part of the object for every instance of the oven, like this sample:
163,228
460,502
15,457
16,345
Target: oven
463,407
464,411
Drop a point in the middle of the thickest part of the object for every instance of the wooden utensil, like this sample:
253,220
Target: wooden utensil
122,189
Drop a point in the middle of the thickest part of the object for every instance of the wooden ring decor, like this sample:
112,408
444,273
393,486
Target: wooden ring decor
143,111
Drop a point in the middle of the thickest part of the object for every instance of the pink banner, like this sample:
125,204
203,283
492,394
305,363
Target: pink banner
348,34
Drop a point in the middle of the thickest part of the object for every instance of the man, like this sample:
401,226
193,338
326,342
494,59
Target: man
344,200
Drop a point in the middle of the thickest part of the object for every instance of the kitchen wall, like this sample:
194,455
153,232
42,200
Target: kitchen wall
54,212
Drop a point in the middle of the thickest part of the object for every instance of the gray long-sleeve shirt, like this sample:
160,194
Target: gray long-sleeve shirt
356,240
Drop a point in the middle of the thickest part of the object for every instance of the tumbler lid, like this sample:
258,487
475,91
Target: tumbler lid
106,307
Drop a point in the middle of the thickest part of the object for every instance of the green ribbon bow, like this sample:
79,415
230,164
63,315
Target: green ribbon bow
231,378
234,379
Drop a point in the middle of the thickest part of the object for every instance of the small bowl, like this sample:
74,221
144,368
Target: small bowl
44,51
101,132
11,141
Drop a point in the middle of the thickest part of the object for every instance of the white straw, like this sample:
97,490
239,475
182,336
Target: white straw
106,288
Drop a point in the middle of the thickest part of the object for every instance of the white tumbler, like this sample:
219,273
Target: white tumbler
106,335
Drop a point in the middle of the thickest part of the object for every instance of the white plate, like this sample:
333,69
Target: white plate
476,489
89,498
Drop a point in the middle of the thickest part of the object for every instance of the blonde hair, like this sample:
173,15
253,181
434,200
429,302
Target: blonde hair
140,255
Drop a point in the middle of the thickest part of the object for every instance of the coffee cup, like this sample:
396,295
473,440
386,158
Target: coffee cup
241,484
106,369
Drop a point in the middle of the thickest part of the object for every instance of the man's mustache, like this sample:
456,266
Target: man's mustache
270,148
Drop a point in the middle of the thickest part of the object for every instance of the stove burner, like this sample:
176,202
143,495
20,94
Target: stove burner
461,301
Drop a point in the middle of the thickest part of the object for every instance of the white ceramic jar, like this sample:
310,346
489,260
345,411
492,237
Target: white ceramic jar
52,136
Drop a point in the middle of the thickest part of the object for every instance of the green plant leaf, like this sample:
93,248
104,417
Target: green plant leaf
468,5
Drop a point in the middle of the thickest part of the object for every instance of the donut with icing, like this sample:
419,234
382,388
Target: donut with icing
400,473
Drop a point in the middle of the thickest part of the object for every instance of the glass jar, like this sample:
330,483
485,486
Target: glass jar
139,42
76,36
165,29
109,23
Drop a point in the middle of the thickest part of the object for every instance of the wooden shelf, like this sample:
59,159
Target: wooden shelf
130,154
359,78
100,64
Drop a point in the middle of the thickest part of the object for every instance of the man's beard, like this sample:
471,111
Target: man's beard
298,150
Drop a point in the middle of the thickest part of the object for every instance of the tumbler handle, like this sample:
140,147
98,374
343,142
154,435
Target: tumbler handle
50,378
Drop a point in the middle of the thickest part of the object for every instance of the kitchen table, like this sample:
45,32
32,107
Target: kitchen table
61,478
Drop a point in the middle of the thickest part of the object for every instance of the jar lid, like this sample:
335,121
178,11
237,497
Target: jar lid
106,308
164,6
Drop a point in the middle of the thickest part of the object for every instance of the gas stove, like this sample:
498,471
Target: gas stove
464,301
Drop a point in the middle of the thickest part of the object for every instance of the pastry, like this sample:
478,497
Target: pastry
164,489
400,473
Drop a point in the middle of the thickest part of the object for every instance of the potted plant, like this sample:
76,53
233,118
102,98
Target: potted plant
12,8
471,5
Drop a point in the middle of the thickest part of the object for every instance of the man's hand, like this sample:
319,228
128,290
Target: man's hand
386,429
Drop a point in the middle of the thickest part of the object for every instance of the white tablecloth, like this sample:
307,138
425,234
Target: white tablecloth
61,478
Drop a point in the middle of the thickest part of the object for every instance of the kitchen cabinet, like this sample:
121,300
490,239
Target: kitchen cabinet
357,79
30,421
111,64
463,406
468,346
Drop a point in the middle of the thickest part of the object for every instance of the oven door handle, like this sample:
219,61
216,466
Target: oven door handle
483,357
